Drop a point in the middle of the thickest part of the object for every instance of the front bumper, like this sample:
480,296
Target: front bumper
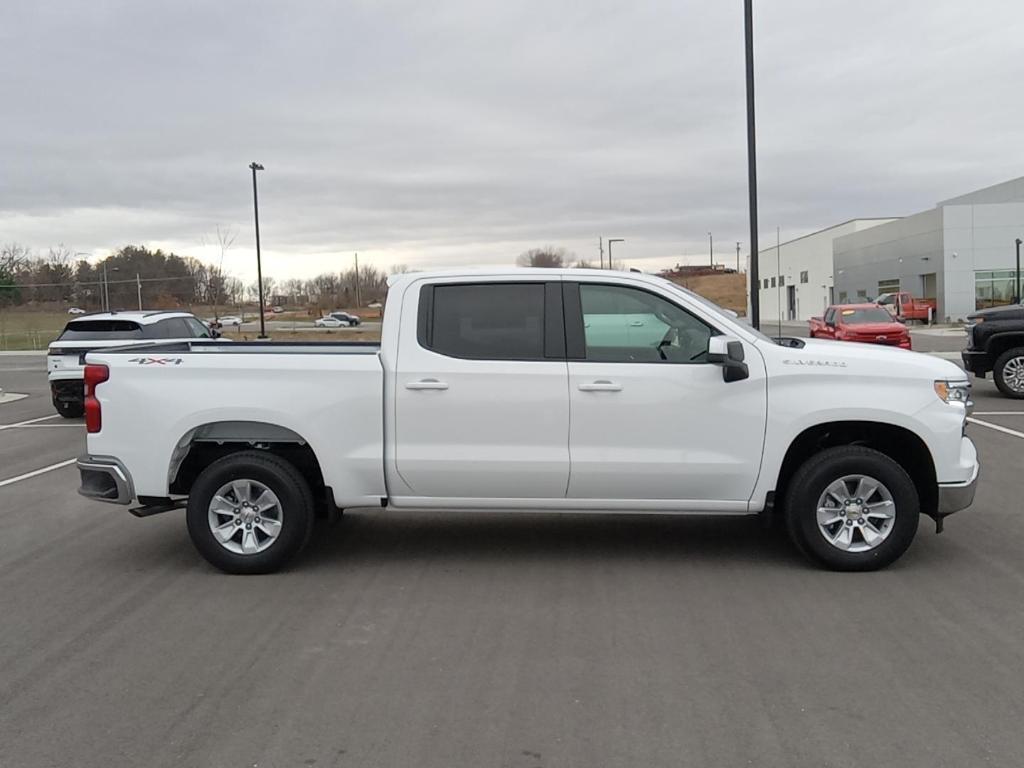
105,478
977,362
956,496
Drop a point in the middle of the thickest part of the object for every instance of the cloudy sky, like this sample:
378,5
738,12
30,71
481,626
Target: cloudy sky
452,133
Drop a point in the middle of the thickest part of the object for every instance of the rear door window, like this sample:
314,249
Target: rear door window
496,321
170,328
101,330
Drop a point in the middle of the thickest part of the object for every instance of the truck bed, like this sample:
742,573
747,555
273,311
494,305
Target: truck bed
160,398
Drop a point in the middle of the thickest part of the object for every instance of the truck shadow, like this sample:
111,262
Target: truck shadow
368,537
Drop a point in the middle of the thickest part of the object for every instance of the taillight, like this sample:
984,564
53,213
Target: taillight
94,375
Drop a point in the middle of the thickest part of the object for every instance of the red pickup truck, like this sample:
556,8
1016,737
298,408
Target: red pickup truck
866,323
906,307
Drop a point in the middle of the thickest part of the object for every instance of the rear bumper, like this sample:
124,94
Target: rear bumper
105,478
67,390
977,362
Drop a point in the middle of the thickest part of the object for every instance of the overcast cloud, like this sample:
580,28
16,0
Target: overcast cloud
442,134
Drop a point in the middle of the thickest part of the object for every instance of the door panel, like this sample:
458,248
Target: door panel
474,427
656,421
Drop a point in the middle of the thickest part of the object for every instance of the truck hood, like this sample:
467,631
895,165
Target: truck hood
851,358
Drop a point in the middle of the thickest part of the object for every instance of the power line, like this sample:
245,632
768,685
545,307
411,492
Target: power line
100,282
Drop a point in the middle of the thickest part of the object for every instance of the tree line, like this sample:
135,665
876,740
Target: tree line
167,280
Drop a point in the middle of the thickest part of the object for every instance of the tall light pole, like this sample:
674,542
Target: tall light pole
711,249
1016,283
259,267
737,257
600,250
755,293
610,241
778,275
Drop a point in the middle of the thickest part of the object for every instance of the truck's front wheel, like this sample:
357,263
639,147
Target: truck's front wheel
852,508
250,512
1008,372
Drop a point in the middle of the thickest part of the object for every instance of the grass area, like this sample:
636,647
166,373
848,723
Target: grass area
29,330
308,334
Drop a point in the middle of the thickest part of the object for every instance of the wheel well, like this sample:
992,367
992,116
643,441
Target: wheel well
899,444
1001,343
205,445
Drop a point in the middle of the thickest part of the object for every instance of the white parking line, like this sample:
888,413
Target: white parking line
996,427
28,421
35,472
999,413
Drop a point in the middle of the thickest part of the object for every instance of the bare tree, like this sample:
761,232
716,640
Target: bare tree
225,239
548,256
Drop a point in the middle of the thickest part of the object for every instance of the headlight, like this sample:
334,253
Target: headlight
954,391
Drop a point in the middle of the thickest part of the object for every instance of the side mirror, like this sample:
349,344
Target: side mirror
728,353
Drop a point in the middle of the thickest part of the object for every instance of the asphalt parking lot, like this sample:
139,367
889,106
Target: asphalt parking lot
461,640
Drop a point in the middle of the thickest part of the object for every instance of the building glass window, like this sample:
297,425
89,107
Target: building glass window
842,297
862,293
782,281
888,286
994,288
773,282
766,282
803,276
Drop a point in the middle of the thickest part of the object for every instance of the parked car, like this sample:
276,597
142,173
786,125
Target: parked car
330,321
488,391
995,342
277,310
375,305
906,308
350,318
867,323
230,320
76,311
65,360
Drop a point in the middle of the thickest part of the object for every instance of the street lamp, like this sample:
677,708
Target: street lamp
755,295
610,241
711,249
259,267
1016,298
106,285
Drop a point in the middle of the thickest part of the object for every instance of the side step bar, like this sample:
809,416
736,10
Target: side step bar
154,505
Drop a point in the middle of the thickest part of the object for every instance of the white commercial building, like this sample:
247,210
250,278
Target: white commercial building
961,253
798,276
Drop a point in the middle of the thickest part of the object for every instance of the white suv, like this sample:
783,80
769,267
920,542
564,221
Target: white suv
65,364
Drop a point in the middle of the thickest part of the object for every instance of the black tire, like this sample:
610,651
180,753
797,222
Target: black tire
281,477
69,410
998,370
809,483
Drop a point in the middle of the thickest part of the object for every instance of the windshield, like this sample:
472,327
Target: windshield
100,330
865,315
716,309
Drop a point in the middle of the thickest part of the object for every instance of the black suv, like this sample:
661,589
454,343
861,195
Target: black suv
995,342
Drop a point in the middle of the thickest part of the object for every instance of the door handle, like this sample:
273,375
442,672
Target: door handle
427,384
601,385
637,323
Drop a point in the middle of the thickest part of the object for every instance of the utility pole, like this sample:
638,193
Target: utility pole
138,285
259,268
358,303
600,249
711,249
755,292
737,257
106,290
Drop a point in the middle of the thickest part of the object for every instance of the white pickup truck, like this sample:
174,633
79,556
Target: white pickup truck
558,390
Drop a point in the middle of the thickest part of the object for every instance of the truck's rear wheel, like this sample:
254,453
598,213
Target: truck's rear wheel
250,512
851,508
1008,373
